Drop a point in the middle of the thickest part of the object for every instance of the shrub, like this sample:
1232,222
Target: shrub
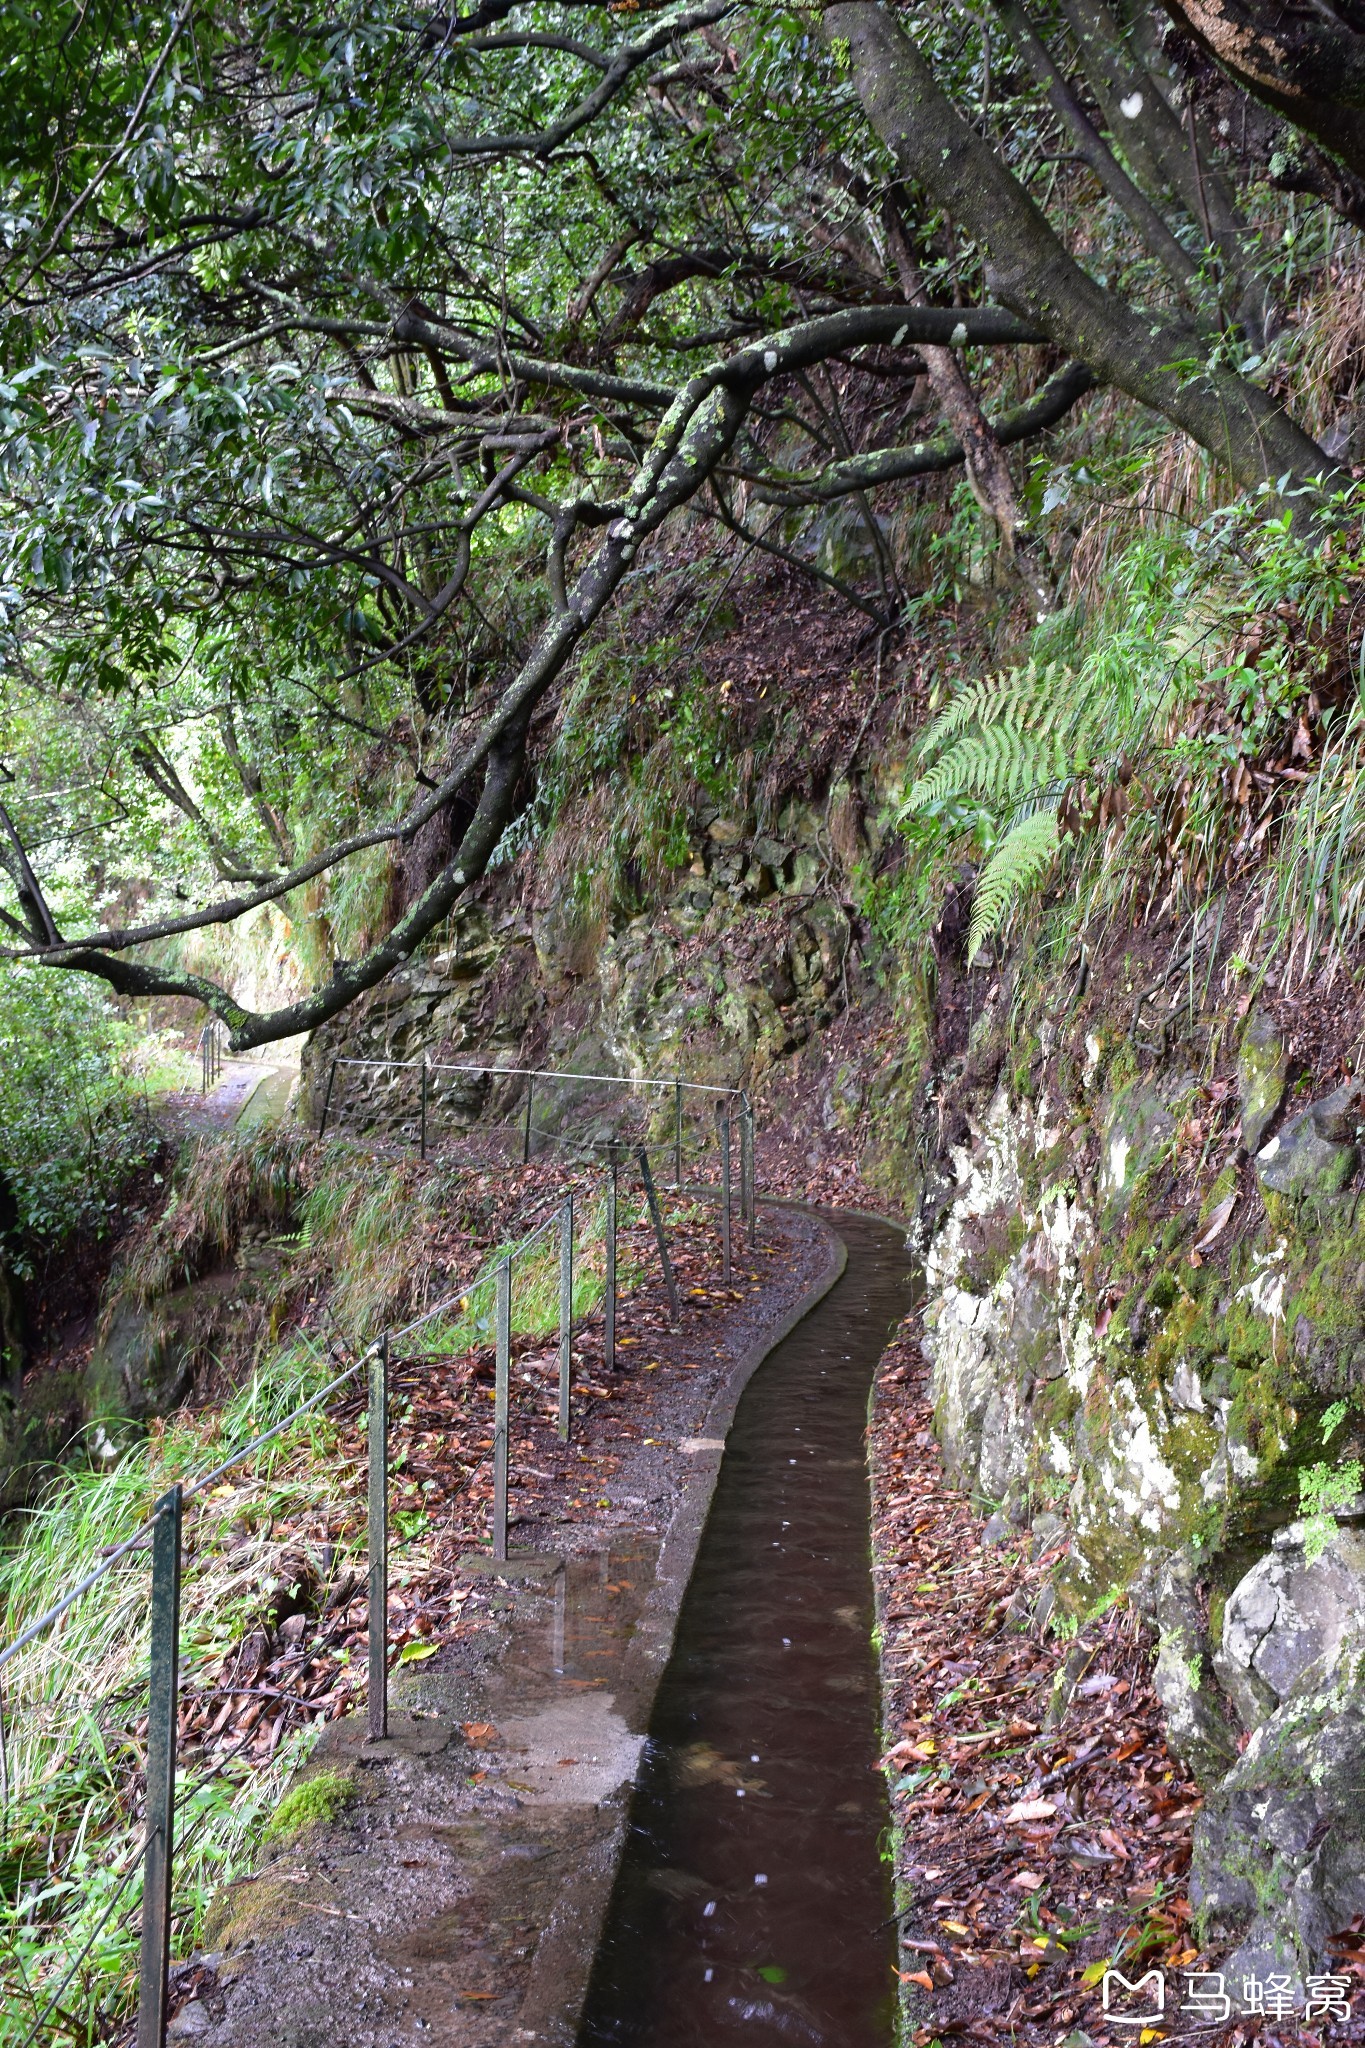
72,1124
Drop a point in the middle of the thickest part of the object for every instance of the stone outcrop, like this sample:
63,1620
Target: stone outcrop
733,972
1262,1069
1292,1611
1091,1361
1279,1862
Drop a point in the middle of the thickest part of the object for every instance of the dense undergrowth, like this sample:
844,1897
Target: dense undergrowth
75,1703
75,1123
1194,723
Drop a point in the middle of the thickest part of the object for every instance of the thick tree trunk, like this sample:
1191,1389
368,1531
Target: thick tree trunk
1142,215
1306,66
1160,361
1148,131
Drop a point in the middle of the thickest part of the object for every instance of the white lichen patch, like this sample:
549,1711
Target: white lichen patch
1136,1476
1265,1289
972,1334
1116,1163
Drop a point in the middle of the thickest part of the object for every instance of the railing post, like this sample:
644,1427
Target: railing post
746,1168
656,1218
725,1198
327,1099
526,1121
378,1541
565,1312
500,1407
609,1305
424,1106
163,1720
4,1775
677,1133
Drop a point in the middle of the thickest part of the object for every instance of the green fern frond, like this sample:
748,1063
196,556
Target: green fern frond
1002,764
1022,856
1033,699
1017,695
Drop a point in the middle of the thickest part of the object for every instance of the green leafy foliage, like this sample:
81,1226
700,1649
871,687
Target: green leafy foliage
1177,727
73,1827
1024,854
1322,1490
1006,748
72,1125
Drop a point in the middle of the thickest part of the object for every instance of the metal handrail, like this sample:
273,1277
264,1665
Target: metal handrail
210,1055
544,1074
723,1093
161,1533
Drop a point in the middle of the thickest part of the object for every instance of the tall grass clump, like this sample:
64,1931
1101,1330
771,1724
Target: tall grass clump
535,1281
75,1700
223,1183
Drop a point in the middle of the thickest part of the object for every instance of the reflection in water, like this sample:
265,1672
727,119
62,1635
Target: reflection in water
753,1905
596,1601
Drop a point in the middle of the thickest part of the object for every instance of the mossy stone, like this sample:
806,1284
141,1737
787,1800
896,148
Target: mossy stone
319,1798
1301,1163
1262,1067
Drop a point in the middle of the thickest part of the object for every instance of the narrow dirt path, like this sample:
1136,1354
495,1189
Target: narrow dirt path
247,1092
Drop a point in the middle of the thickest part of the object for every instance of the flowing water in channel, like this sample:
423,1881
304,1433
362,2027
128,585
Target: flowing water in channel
753,1904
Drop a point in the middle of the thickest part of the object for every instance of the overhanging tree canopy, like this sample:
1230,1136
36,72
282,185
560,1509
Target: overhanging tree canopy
306,312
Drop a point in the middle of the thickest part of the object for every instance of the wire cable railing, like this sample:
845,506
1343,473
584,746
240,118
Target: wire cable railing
728,1100
212,1043
162,1533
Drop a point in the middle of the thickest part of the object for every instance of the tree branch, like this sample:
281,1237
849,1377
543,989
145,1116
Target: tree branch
691,442
162,775
1138,209
115,156
32,902
688,445
626,62
1161,361
924,458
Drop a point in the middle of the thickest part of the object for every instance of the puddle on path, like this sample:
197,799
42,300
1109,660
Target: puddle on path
753,1903
565,1721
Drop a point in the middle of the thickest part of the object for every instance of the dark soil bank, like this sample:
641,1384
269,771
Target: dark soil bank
753,1903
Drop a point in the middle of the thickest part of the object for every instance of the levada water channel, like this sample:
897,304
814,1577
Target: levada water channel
753,1902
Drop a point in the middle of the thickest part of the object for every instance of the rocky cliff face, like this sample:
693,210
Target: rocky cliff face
1170,1362
743,963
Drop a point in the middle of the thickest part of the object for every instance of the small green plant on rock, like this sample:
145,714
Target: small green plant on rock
1321,1491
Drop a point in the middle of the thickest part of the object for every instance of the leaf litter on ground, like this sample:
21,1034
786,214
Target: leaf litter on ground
1043,1827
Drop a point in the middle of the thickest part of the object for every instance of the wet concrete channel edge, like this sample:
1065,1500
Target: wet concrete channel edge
427,1911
